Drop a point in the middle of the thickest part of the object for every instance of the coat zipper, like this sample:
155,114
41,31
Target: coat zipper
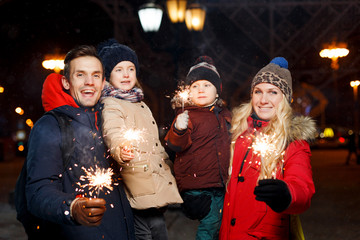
241,178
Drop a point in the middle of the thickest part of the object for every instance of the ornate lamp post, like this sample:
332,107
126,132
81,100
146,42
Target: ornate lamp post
195,17
150,15
176,10
354,85
334,51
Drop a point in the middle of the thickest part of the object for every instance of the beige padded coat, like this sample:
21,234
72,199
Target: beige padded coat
148,179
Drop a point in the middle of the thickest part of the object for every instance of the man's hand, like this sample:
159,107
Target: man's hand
182,121
88,211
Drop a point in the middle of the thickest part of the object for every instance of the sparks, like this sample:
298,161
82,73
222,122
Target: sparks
97,179
263,145
183,94
134,135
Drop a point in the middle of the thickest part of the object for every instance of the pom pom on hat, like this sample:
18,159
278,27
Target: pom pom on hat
204,69
207,59
277,74
111,53
281,62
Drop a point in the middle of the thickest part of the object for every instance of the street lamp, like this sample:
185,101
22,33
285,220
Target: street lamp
176,10
334,51
150,15
54,62
354,85
19,110
29,122
2,89
195,17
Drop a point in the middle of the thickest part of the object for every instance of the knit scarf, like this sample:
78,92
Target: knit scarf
133,95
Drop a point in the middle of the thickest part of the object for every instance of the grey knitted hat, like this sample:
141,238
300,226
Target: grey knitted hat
277,74
204,69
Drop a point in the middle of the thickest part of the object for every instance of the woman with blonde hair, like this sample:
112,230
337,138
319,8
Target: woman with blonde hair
271,176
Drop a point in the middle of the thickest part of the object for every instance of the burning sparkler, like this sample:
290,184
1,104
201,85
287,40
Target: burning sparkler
183,94
134,135
97,179
263,145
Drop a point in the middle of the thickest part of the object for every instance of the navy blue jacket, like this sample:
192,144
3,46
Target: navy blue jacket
50,190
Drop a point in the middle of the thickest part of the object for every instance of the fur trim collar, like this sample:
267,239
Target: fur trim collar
302,128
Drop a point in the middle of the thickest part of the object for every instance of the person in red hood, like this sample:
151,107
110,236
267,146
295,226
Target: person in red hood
52,191
53,94
271,176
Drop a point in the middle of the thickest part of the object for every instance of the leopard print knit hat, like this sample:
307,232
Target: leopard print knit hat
277,74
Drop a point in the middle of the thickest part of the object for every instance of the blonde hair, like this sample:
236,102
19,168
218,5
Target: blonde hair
137,84
278,128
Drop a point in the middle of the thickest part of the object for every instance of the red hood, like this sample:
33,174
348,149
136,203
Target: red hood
53,94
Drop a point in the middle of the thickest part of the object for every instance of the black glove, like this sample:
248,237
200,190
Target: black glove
196,207
274,193
88,211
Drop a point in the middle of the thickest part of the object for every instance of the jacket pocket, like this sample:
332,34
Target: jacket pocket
258,217
138,178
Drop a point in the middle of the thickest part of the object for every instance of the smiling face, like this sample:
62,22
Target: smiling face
265,100
86,80
123,75
202,93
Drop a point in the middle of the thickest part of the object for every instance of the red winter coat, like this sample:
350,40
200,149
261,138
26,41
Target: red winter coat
203,150
246,218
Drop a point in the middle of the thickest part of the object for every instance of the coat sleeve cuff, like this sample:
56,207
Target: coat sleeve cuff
179,132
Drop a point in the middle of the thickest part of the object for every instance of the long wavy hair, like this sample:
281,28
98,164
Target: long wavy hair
278,128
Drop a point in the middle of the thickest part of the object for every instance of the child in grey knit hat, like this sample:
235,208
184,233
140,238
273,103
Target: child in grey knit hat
199,136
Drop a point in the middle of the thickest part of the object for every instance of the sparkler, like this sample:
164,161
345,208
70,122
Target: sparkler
264,145
134,135
183,94
97,179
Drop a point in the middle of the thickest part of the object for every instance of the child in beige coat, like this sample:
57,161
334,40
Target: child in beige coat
131,134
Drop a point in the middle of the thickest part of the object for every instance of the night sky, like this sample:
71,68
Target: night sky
31,29
36,28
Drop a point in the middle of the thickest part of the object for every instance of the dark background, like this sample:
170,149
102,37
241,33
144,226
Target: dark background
241,36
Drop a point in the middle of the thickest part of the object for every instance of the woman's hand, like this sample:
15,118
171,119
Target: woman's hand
274,193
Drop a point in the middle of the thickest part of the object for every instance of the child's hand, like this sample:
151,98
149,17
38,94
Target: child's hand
182,121
127,152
